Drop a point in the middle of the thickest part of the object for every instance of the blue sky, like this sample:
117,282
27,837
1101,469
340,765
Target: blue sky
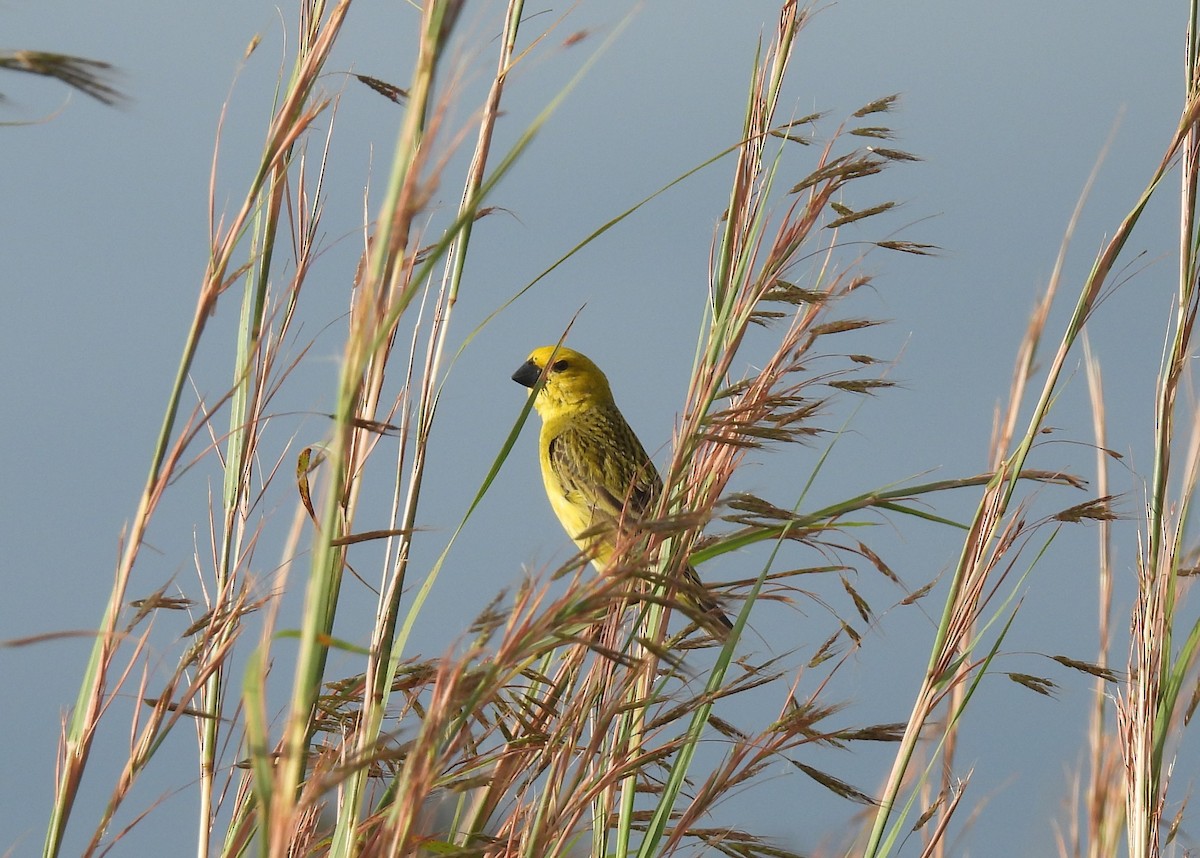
1009,105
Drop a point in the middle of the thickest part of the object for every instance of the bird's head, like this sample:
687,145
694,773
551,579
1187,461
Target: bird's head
571,380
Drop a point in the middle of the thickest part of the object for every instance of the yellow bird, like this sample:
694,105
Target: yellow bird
595,470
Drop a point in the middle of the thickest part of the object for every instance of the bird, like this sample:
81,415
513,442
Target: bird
595,470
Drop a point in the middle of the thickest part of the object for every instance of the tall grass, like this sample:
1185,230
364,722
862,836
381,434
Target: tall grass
581,714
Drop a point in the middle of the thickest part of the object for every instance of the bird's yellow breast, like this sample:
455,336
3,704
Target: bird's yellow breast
575,510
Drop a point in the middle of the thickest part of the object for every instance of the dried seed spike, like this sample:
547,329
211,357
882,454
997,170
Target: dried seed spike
1086,667
305,463
918,594
766,317
930,812
86,76
842,325
387,90
878,563
1039,684
377,426
726,729
876,131
157,600
851,216
908,247
894,154
1191,707
860,604
892,732
1176,821
826,650
839,171
803,120
880,105
789,293
861,385
252,47
791,138
835,785
1098,509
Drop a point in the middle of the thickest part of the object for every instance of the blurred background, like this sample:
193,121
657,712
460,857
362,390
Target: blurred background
1010,107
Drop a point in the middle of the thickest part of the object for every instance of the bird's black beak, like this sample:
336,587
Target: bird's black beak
528,374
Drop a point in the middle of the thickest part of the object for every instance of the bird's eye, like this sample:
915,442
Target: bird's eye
559,365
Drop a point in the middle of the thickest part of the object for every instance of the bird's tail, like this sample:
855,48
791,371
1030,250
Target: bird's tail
719,622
